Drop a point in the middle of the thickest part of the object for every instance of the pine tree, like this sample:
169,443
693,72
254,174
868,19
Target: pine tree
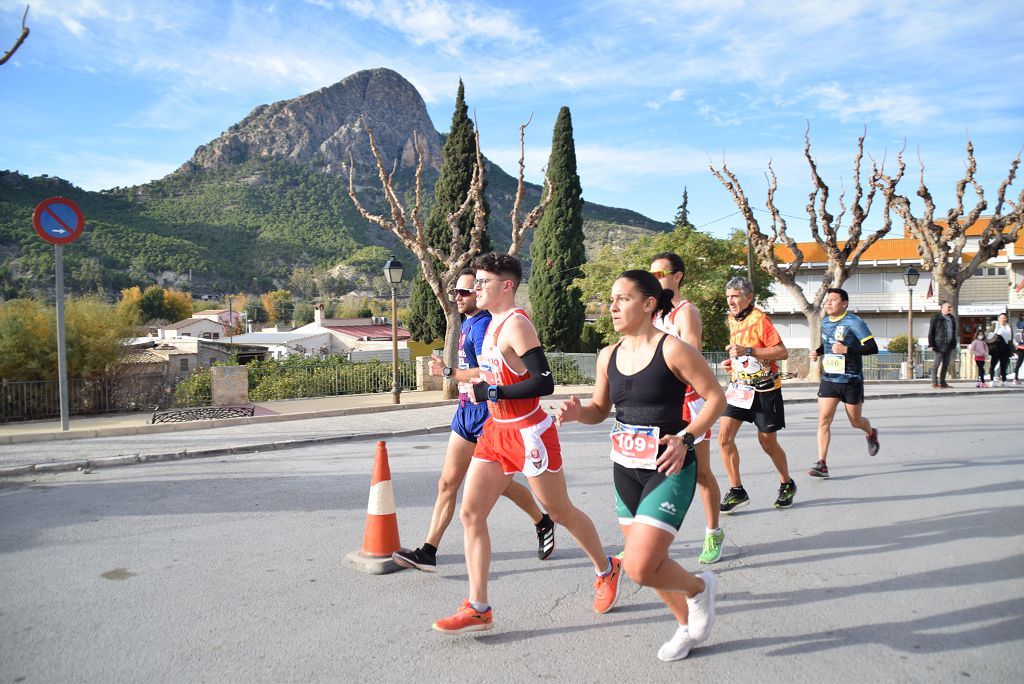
426,318
557,251
682,219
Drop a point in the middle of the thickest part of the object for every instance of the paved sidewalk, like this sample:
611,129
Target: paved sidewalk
124,439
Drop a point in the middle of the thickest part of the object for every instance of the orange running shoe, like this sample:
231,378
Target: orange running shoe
606,588
466,619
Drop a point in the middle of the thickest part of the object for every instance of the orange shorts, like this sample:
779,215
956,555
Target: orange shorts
521,447
689,414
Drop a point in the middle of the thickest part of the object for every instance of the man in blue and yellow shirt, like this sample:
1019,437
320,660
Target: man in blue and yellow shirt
845,339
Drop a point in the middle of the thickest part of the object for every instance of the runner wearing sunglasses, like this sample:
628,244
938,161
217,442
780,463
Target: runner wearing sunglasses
467,425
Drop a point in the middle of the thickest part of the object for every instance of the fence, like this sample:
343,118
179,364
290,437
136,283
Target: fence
293,381
114,394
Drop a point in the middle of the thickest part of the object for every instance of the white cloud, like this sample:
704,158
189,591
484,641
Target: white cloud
675,96
892,105
445,24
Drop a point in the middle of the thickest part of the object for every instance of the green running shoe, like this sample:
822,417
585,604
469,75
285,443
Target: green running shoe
712,546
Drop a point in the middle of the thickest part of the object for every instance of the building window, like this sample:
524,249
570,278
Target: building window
186,334
216,336
207,336
183,365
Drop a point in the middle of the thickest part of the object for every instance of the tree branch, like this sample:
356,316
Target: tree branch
20,40
519,227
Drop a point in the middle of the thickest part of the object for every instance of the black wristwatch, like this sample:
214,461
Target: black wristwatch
492,393
447,371
686,437
750,351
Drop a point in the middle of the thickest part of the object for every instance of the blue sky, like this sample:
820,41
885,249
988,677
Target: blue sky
111,94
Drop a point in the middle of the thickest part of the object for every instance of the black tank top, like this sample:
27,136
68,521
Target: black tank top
652,396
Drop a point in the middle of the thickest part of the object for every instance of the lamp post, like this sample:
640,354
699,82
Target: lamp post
393,271
910,277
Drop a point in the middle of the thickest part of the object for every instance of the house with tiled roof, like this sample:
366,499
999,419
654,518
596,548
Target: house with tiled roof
879,295
199,327
360,339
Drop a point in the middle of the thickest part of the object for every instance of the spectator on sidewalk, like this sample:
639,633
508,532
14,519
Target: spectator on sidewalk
1000,345
1018,338
979,350
942,341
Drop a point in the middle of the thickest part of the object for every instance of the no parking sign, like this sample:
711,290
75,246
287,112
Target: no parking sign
58,220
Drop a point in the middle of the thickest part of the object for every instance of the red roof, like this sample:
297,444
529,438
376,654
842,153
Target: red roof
374,332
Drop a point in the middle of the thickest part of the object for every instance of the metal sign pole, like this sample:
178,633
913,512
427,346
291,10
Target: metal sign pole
62,360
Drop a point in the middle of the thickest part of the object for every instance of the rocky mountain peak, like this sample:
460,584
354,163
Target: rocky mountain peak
322,128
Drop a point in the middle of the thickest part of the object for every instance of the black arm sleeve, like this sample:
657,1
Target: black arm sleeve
820,350
868,348
540,383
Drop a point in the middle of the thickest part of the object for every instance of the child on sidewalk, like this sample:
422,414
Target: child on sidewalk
979,350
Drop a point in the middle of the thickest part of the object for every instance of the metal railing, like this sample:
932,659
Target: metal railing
317,380
86,396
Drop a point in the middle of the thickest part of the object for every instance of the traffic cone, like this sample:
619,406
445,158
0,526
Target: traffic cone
380,538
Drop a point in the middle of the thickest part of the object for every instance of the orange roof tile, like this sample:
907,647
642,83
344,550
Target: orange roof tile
888,249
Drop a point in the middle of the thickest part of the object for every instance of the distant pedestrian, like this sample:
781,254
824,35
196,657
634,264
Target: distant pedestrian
979,350
942,341
1018,339
1000,346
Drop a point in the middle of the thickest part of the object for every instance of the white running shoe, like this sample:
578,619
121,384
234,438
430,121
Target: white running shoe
678,647
702,609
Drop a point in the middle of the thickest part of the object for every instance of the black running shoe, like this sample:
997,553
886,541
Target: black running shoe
415,558
735,498
786,492
873,444
545,537
819,469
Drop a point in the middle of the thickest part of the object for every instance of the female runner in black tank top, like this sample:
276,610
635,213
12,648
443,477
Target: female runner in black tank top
644,376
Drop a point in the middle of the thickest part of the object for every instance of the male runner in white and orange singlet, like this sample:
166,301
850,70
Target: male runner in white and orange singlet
684,322
518,437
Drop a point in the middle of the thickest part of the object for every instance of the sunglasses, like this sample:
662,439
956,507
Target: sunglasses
459,292
661,274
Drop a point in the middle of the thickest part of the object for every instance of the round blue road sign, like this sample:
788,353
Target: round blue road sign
58,220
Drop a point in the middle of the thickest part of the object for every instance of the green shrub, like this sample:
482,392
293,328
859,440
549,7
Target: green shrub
195,390
898,344
567,371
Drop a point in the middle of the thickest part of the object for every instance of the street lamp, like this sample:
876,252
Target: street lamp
910,277
393,271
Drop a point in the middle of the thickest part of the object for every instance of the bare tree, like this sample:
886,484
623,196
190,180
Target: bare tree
941,243
441,268
21,38
842,256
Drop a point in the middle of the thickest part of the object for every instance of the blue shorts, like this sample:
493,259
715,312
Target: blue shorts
469,420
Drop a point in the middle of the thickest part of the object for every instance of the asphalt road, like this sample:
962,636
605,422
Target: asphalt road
906,567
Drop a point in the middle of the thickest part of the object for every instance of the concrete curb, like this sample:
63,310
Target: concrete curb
123,430
87,465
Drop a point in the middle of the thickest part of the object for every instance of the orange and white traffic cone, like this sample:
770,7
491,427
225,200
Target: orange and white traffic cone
380,538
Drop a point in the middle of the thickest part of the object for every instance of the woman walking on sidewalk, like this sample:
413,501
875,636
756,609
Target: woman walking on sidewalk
1002,335
655,468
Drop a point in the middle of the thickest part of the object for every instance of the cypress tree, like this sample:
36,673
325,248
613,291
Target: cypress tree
557,251
426,318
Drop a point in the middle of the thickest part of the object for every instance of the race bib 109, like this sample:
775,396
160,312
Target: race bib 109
635,446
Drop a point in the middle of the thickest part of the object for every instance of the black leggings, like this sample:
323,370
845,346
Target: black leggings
1001,358
981,369
1020,364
